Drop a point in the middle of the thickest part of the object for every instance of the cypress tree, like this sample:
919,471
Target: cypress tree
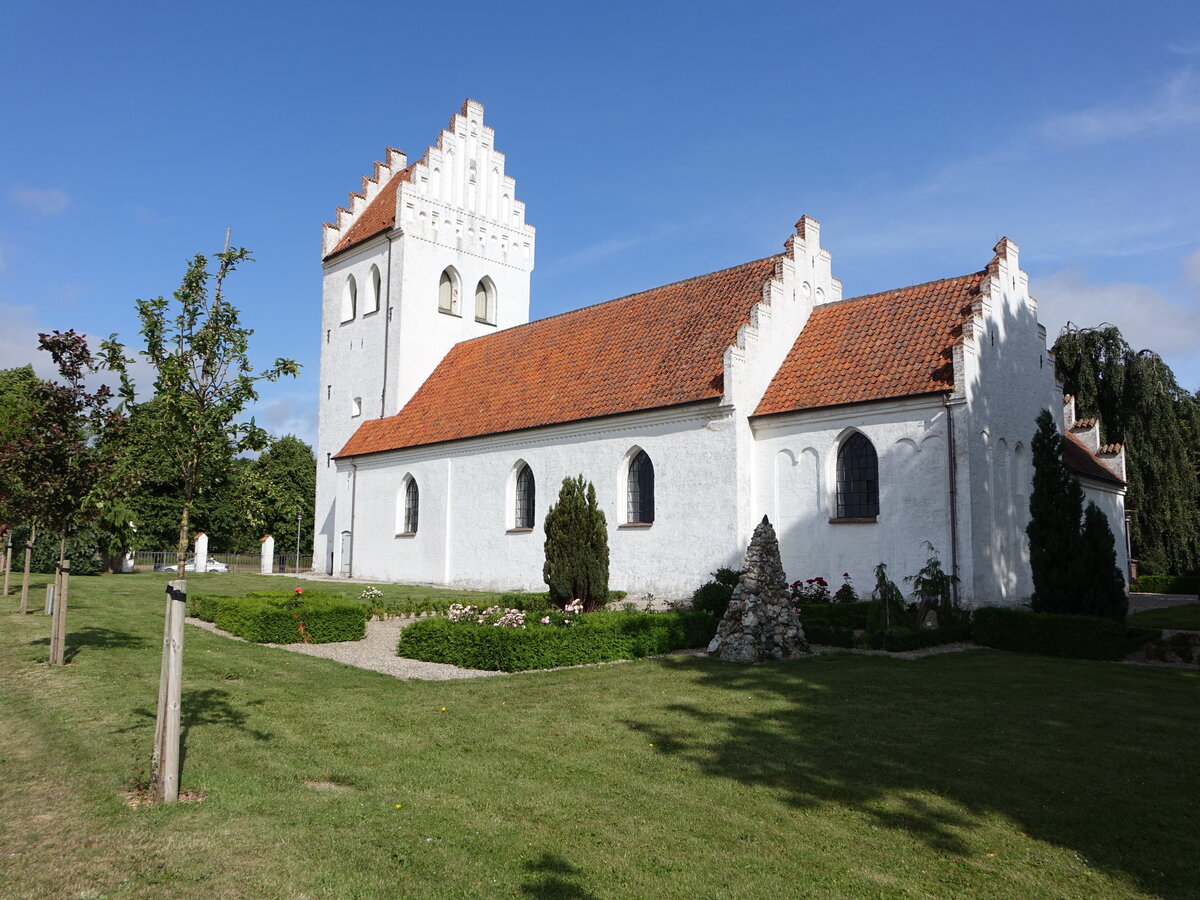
1141,405
1057,556
576,566
1103,591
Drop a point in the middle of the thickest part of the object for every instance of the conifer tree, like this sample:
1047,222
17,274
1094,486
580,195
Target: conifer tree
1103,589
1141,405
576,566
1057,556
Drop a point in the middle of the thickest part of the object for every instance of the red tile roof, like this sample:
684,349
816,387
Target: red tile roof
378,217
1080,460
892,344
661,347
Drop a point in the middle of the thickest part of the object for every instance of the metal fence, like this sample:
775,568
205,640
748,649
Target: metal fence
166,560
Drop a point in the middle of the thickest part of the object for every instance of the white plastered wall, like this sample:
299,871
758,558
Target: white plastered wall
465,537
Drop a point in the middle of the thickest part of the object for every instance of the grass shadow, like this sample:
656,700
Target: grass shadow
96,639
552,878
933,748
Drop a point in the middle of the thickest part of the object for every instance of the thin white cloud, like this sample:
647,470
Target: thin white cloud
1191,267
1173,106
43,201
1185,48
1147,318
288,414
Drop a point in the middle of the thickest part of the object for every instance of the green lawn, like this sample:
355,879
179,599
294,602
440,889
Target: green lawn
981,774
1185,617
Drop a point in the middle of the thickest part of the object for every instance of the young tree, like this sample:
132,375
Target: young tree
204,382
576,566
1103,588
17,402
1141,405
1057,556
63,458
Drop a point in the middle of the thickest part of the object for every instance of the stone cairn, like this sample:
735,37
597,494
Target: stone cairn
761,622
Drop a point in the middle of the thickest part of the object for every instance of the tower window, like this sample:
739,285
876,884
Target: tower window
412,506
485,301
448,293
349,299
374,290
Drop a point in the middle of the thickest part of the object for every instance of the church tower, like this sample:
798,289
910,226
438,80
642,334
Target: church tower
426,255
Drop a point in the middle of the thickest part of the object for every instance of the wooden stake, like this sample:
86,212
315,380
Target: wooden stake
168,780
160,712
25,581
7,566
58,627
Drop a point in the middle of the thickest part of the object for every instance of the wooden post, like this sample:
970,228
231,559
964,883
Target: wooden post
25,581
167,788
58,627
160,713
49,599
7,565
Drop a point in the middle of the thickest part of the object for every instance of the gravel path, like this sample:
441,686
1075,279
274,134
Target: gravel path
377,652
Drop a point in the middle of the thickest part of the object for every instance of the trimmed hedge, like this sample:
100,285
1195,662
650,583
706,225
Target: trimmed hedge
284,618
1076,637
531,602
829,635
843,615
596,637
1166,584
897,639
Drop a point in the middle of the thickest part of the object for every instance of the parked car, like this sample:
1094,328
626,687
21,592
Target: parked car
190,566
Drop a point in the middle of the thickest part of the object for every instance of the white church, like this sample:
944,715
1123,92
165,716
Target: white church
863,427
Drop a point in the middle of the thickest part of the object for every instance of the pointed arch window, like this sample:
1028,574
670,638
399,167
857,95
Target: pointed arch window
485,301
375,291
640,490
448,292
857,478
412,506
526,495
349,299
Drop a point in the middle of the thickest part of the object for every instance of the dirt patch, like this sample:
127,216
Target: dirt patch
136,798
321,785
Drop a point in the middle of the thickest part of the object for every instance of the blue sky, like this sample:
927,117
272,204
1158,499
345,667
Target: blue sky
650,142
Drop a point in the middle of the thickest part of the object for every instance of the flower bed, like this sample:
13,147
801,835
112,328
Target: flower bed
277,617
508,641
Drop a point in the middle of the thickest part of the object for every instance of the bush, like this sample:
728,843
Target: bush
595,637
842,615
819,632
886,609
897,639
275,617
576,548
714,596
1077,637
1166,584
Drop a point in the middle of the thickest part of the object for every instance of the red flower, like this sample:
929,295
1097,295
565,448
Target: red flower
845,574
299,590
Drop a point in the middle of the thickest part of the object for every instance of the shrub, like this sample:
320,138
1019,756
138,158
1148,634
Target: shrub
714,596
843,615
595,637
1057,556
933,589
1077,637
846,593
576,548
1103,587
887,604
1166,584
275,617
815,590
897,639
820,632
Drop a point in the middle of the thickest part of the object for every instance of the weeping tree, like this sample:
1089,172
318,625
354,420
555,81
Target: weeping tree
204,381
576,566
1140,405
66,456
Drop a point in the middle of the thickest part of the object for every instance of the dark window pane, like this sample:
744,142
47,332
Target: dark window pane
641,489
526,491
412,504
857,478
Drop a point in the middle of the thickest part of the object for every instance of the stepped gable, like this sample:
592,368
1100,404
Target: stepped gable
895,343
1082,461
379,215
657,348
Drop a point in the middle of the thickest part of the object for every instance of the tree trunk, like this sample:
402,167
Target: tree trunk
58,625
7,566
25,581
165,683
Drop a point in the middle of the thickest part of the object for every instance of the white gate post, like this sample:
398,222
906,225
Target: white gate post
267,565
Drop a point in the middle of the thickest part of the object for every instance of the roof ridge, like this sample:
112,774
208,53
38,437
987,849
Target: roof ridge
590,306
907,287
